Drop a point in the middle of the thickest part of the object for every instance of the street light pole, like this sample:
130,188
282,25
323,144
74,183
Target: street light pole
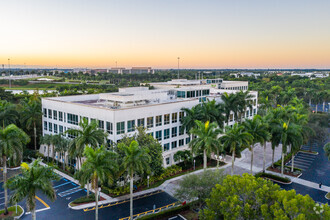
148,180
178,67
194,164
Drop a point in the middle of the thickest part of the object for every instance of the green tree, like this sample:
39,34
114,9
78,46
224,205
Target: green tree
235,139
34,178
327,150
258,130
136,160
191,115
62,147
206,140
100,166
31,116
12,141
183,155
8,113
87,134
198,186
229,104
47,139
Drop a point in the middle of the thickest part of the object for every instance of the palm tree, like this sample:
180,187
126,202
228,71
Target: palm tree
61,148
100,166
207,139
47,139
212,112
235,139
229,104
191,115
136,160
34,178
8,113
87,134
31,115
12,140
258,130
290,136
243,102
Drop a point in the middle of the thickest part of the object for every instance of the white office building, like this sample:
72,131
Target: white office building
158,110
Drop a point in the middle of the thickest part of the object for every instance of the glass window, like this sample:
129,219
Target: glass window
150,122
109,127
151,134
60,116
167,161
55,128
158,120
49,113
181,142
93,120
174,117
130,126
174,145
72,119
55,114
187,140
181,94
255,111
60,128
181,115
250,113
247,113
167,147
50,127
101,124
181,130
174,131
45,125
140,122
159,135
45,112
231,117
166,119
120,127
64,117
167,133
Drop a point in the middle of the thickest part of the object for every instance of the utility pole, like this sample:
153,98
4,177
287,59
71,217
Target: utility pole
178,67
9,72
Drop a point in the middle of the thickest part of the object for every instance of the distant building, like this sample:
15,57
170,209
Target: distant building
141,70
78,70
99,71
117,70
312,74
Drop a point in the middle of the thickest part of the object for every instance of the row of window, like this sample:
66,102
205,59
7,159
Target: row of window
174,133
175,144
48,126
193,93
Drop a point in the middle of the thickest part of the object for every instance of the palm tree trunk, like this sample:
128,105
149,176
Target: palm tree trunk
218,158
48,148
273,155
292,164
87,188
232,162
316,108
53,153
4,161
310,102
282,166
96,200
35,135
323,106
33,213
264,162
251,158
63,160
205,159
131,197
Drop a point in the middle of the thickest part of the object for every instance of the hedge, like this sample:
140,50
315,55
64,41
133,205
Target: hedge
90,198
274,177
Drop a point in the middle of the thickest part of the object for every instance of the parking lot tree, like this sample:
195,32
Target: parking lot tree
248,197
34,178
99,167
88,134
258,129
234,140
12,141
136,160
207,139
152,146
198,186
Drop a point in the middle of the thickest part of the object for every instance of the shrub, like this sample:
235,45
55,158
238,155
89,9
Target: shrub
274,177
90,198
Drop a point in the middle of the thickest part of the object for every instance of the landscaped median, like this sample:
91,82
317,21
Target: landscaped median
327,196
12,214
279,179
84,200
309,152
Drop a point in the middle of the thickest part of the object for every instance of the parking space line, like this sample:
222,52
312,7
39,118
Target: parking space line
303,160
38,210
45,204
61,185
70,191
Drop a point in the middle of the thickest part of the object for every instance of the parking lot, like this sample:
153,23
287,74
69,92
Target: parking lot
303,160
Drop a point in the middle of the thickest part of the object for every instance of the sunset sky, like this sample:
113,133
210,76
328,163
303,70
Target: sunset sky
203,33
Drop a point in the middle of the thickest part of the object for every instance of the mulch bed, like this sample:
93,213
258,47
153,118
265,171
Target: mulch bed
76,204
276,170
10,213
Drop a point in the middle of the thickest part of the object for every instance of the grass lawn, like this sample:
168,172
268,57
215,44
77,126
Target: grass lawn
12,212
327,195
48,86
